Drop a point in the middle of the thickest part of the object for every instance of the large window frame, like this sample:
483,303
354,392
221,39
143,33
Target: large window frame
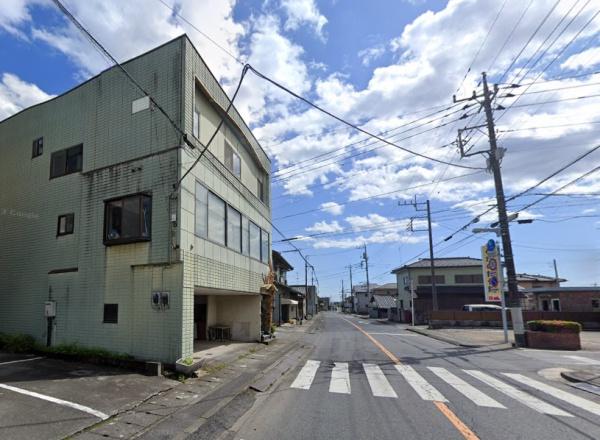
217,215
115,229
468,279
426,279
67,161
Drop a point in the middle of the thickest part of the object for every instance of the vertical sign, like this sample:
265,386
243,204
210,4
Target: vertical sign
492,272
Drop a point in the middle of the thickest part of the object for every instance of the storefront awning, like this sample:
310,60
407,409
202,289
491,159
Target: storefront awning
287,301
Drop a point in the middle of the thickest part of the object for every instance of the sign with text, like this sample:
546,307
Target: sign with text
492,272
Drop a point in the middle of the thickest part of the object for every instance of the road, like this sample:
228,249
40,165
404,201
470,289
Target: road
370,380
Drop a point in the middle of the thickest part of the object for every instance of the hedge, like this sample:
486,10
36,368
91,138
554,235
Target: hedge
554,326
17,343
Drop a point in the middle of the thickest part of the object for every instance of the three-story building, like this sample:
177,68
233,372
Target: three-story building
101,231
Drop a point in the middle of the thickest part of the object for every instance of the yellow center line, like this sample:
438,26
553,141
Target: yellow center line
441,406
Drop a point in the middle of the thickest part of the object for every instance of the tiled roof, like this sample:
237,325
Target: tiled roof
535,277
442,262
383,301
388,286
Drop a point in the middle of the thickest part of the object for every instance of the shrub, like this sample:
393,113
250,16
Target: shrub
18,343
554,326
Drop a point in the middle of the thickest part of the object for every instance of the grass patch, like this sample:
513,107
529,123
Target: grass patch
212,369
17,343
76,350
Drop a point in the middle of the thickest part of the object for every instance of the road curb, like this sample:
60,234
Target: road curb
443,338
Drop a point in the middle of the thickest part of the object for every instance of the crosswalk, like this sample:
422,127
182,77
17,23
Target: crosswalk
474,385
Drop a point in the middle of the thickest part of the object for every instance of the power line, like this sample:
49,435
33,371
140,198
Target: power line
338,118
511,130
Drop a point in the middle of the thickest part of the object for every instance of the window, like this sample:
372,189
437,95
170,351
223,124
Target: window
245,238
65,224
426,279
545,305
264,248
234,229
37,148
111,314
556,305
201,220
67,161
127,219
260,188
402,304
596,305
196,123
232,160
216,219
468,279
254,241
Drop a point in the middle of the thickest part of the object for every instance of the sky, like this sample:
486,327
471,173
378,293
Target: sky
390,67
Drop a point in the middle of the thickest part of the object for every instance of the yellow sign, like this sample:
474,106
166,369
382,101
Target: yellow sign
492,272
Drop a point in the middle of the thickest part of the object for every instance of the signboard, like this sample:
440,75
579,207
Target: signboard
492,272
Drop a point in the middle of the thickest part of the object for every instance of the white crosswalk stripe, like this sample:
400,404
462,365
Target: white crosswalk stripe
574,400
469,391
306,376
423,388
340,378
526,399
380,387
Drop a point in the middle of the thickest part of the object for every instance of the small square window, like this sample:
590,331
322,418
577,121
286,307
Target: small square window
596,304
111,314
66,224
37,147
128,219
66,161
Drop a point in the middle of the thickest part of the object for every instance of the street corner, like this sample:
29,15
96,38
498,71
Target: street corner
51,399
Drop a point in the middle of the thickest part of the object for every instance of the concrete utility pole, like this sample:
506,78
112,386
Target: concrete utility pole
495,155
366,260
351,288
415,204
305,289
555,269
342,296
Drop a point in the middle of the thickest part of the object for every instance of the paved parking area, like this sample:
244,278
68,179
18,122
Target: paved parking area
42,398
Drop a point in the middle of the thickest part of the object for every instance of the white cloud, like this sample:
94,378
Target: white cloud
332,208
370,54
589,211
586,59
16,94
301,12
324,227
387,237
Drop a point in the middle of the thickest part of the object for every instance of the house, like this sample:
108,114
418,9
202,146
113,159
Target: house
100,234
564,299
380,305
309,308
528,281
348,304
459,281
390,289
324,303
362,296
286,301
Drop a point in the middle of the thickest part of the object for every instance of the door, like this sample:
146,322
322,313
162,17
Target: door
200,321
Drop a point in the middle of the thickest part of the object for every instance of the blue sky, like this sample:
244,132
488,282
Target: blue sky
377,64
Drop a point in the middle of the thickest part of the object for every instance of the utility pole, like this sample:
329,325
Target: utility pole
416,205
343,296
555,270
495,155
366,260
351,289
305,305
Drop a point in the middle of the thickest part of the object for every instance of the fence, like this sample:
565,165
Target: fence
589,320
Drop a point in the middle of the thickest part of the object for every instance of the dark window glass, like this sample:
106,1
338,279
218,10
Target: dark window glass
66,161
468,279
37,148
260,188
232,160
128,219
66,224
264,248
111,314
201,220
426,279
234,229
216,219
254,241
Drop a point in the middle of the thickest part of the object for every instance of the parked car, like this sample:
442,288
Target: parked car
481,308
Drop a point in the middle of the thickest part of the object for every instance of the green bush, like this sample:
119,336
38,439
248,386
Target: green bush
554,326
76,350
18,343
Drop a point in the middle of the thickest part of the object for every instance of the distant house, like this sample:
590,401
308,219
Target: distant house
386,289
380,305
362,295
528,281
564,299
459,281
324,303
310,306
287,301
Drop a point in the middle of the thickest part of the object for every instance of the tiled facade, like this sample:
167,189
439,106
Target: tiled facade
125,153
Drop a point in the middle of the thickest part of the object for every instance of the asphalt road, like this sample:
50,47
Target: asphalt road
420,388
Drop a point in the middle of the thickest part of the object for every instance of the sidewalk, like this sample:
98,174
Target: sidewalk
485,337
184,409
